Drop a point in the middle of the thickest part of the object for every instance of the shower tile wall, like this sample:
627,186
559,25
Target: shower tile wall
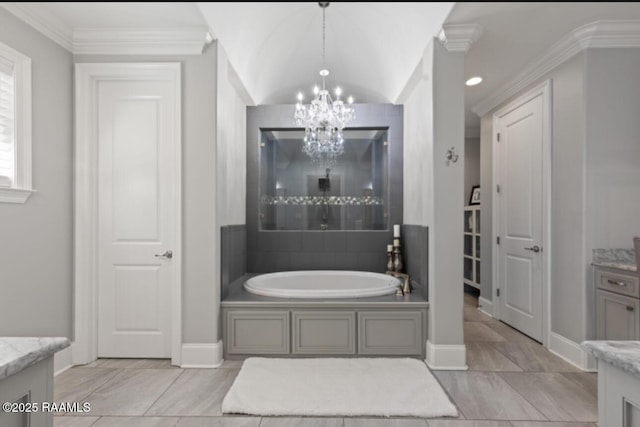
270,251
233,255
416,255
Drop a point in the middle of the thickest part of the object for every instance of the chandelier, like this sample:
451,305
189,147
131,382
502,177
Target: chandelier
323,119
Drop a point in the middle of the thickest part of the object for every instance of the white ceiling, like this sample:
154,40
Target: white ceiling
372,48
516,34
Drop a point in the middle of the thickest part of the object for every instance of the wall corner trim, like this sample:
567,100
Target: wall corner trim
571,352
599,34
134,41
202,355
446,357
62,360
459,37
45,23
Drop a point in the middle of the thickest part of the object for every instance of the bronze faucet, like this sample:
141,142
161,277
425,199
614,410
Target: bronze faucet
406,286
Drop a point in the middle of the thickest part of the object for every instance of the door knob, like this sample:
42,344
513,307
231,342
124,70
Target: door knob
535,249
167,254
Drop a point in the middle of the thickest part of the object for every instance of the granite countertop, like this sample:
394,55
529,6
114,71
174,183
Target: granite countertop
621,354
622,259
17,354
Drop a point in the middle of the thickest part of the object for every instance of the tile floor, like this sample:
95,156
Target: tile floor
512,381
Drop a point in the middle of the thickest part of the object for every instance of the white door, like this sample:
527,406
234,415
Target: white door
519,147
136,123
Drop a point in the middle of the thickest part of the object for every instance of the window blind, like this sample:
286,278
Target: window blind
7,125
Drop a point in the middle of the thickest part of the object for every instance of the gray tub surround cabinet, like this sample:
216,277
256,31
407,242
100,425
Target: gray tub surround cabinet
379,326
26,377
617,297
618,381
284,250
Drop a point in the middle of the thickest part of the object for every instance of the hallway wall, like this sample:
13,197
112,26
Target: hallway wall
36,238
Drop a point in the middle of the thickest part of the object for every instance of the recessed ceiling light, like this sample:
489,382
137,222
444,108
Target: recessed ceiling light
474,81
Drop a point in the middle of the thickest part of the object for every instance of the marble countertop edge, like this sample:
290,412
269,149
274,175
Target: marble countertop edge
616,264
18,353
621,354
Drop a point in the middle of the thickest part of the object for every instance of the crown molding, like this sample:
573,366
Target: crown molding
130,41
45,23
459,37
599,34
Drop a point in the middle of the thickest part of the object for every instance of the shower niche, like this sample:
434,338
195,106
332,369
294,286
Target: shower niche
299,193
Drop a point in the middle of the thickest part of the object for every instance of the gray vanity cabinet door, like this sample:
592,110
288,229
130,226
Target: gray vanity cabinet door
390,332
617,316
323,332
257,332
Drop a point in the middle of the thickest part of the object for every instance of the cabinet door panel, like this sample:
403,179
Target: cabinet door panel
617,316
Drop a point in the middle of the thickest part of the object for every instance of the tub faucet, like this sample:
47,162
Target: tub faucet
405,288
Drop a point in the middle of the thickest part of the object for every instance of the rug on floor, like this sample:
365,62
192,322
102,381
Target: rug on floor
337,387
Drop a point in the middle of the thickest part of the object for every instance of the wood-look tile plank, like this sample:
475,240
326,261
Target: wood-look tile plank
232,421
232,364
384,422
74,421
472,314
198,392
486,396
553,394
550,424
301,422
131,392
510,333
480,332
135,363
467,423
585,380
136,422
76,384
534,357
483,356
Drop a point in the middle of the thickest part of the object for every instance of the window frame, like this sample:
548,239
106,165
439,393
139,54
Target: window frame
21,188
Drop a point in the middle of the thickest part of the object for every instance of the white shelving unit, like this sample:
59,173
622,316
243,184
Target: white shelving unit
471,272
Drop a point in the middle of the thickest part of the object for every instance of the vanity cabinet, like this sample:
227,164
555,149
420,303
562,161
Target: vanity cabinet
617,304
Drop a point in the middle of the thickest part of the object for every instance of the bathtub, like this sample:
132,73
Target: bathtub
322,284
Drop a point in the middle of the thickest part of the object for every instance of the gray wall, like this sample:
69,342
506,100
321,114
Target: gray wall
36,238
446,244
471,167
594,172
612,197
434,122
200,250
269,251
567,170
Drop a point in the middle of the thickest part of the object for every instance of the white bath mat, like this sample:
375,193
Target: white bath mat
337,387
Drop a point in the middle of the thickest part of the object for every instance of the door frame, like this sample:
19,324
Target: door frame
544,90
85,322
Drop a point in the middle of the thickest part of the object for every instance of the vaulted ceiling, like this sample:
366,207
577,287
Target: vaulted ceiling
371,48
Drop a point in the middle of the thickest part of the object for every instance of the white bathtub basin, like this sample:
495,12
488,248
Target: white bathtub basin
322,284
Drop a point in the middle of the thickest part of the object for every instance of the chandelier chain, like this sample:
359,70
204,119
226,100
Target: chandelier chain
323,119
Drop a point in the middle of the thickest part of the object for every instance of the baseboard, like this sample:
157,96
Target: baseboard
446,357
571,352
62,360
485,306
202,355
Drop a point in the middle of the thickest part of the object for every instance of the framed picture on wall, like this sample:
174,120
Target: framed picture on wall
474,198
